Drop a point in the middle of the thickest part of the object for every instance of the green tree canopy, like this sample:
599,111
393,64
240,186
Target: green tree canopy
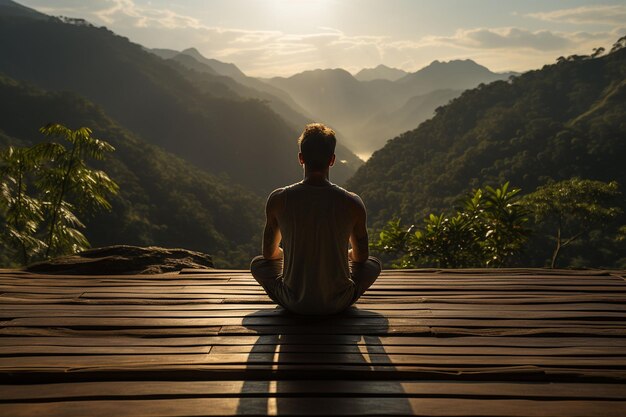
573,207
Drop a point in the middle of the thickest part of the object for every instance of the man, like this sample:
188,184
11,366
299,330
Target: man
314,272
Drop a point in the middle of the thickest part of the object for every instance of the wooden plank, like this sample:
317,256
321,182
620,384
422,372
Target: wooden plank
379,307
212,291
327,371
356,313
381,283
154,389
320,406
74,339
68,363
421,330
361,347
317,339
139,332
249,280
287,321
11,300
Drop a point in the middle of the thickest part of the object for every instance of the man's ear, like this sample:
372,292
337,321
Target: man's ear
300,158
332,161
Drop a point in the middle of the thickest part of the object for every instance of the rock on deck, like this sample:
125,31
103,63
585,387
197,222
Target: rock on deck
425,342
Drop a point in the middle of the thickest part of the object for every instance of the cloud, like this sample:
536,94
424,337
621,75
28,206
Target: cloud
601,14
144,16
117,12
505,38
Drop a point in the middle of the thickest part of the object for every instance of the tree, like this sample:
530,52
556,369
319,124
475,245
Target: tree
42,187
573,207
71,184
619,44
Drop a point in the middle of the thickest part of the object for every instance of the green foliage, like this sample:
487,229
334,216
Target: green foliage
573,208
21,214
61,182
70,179
562,121
488,229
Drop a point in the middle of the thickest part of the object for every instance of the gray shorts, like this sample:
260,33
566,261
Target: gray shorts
268,273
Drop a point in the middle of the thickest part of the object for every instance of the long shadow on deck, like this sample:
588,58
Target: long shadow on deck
307,358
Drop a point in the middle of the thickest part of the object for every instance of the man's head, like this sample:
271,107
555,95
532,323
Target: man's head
317,147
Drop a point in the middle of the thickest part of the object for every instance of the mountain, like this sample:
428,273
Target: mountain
162,200
239,137
206,79
217,67
327,93
352,106
455,75
562,121
12,9
193,59
381,72
222,68
164,53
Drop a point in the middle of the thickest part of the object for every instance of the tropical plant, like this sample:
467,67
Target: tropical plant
44,186
22,214
70,184
504,220
486,230
572,208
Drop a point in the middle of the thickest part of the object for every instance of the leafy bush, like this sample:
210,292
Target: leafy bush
488,229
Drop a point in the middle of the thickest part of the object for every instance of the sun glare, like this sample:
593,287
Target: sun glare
299,9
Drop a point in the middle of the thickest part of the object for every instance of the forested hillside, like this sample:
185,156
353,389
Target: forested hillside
162,200
565,120
236,135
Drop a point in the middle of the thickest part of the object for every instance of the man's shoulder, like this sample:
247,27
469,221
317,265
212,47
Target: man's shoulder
275,199
352,197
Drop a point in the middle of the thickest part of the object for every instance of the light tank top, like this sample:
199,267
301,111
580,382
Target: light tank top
315,226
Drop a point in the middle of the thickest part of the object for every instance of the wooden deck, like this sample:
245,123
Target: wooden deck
433,343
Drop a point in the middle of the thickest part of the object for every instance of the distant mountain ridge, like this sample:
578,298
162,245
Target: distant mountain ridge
380,72
354,106
13,9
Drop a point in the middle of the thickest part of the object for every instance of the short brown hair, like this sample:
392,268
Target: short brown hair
317,144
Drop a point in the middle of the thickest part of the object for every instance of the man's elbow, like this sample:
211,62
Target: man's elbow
272,253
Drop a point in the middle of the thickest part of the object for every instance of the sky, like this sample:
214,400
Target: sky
267,38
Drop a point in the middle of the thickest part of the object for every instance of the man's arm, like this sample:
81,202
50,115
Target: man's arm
271,233
358,237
